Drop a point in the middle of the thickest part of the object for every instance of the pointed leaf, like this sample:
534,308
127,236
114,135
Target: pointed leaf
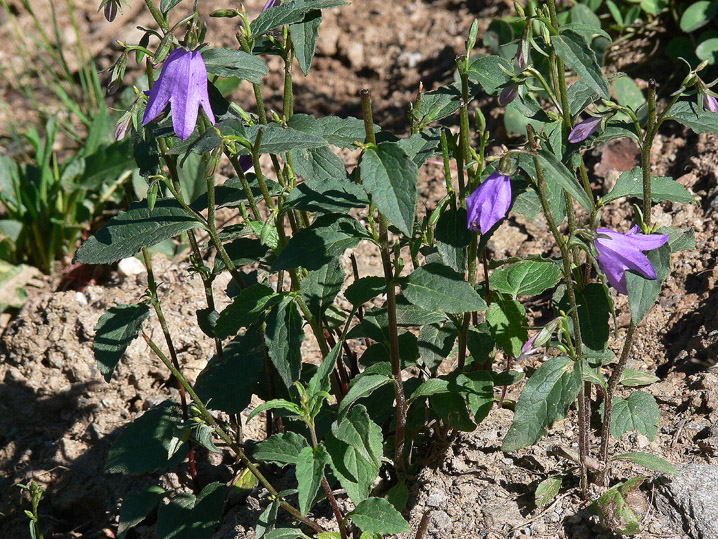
647,460
453,239
281,449
572,49
507,321
525,278
642,292
436,287
283,336
310,472
639,412
114,332
376,515
320,287
304,39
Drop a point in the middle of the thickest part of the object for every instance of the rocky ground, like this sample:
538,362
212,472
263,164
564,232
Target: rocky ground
58,417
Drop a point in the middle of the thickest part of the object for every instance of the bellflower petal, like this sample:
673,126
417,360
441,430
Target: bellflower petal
710,103
271,3
183,84
508,94
618,253
584,129
489,203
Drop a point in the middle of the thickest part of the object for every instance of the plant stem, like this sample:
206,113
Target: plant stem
227,438
391,309
328,489
646,152
154,300
157,16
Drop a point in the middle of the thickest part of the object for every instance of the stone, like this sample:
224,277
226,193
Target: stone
441,520
436,498
129,267
689,501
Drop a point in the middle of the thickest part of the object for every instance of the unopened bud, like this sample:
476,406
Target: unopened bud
508,94
110,11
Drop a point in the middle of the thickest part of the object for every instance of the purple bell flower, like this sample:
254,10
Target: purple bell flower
618,253
183,84
489,203
710,103
271,3
584,129
508,94
245,161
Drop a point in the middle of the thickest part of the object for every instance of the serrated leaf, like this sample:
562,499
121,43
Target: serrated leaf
273,404
421,146
114,332
580,96
355,429
390,176
283,336
525,278
187,517
228,383
233,63
694,117
453,238
440,103
410,315
556,172
547,490
376,515
340,132
320,380
289,13
267,520
363,385
356,474
310,472
365,289
572,49
642,292
507,321
435,344
630,184
492,72
277,139
304,39
129,231
320,287
639,412
324,240
245,309
327,196
136,507
436,287
647,460
634,378
679,239
143,445
319,165
546,398
281,449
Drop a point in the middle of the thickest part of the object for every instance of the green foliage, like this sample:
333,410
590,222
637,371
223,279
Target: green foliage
114,332
638,412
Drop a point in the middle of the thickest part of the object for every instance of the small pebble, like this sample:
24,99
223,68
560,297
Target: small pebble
436,498
130,267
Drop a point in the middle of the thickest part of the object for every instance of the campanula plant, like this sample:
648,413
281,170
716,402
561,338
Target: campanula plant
422,350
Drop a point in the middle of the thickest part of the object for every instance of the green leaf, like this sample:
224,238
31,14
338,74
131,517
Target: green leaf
398,495
281,449
310,472
324,240
233,63
286,533
188,518
320,381
105,164
440,103
698,15
453,239
436,287
390,176
572,49
580,96
365,289
136,507
679,239
362,386
327,196
129,231
227,383
647,460
477,388
421,146
630,184
491,72
451,408
708,50
283,336
144,444
242,252
634,378
555,171
376,515
166,5
408,314
304,39
245,309
639,412
508,323
546,398
278,139
288,13
355,473
356,430
340,132
525,278
267,520
615,512
594,310
642,292
694,117
435,344
547,490
320,165
114,332
273,404
628,93
320,287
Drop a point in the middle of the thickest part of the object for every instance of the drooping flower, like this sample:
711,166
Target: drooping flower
271,3
245,161
710,103
584,129
508,94
618,253
183,84
489,203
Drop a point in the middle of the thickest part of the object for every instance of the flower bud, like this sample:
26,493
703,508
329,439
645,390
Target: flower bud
710,103
508,94
584,129
489,203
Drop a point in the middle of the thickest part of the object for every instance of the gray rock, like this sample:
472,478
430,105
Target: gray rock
436,498
689,500
441,520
